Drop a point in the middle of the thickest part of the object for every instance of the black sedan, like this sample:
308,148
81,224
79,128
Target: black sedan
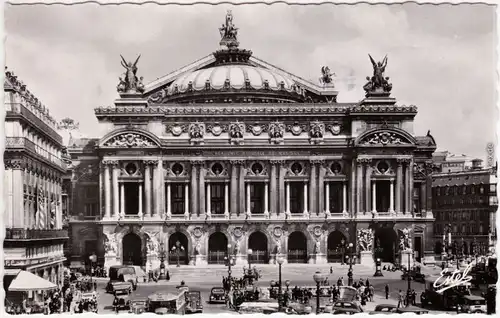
217,296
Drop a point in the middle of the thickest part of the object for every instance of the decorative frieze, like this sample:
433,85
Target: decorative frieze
129,140
296,129
216,129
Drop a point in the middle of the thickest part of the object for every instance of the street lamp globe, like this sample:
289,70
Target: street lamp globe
287,283
318,277
272,283
350,245
280,260
229,246
250,251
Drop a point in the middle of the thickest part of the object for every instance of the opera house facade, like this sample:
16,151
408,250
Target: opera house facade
232,156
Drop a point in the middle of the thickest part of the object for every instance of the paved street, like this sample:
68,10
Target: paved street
203,279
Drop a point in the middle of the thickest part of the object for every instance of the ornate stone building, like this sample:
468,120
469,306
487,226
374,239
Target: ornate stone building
34,169
233,150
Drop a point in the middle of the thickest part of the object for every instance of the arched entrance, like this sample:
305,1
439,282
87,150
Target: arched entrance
386,241
257,242
438,248
297,247
178,249
217,248
336,247
132,250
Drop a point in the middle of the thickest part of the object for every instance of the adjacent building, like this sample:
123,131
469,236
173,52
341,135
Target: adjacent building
34,168
233,155
464,205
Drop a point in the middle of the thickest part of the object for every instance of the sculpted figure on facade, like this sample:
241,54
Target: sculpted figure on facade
365,239
236,132
317,132
378,82
384,138
197,132
110,246
197,248
278,247
317,247
326,76
405,240
276,132
237,247
130,83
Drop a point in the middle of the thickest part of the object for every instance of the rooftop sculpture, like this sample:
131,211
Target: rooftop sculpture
130,83
378,83
229,32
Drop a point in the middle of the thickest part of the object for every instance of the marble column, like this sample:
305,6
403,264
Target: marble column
194,188
186,199
305,198
327,199
410,187
241,192
374,196
391,197
321,189
147,187
407,188
274,190
122,199
226,199
202,199
249,208
359,185
287,197
116,193
266,198
209,198
169,199
140,199
344,196
312,189
368,181
107,191
234,187
282,205
399,185
155,191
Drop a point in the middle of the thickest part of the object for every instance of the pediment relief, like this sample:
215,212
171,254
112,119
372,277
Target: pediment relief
386,137
130,140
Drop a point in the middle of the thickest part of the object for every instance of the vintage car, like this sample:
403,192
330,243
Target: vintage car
162,303
194,303
473,305
137,306
259,307
343,304
384,309
412,309
122,299
295,308
345,311
120,274
217,295
112,286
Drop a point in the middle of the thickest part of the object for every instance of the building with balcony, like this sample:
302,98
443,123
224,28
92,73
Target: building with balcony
33,176
465,203
231,150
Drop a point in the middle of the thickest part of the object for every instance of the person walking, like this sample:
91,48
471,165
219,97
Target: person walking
386,291
400,298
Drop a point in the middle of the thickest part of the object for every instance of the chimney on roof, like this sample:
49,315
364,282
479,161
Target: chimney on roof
477,164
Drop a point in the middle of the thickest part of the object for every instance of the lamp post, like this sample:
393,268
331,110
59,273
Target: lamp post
280,262
409,281
350,258
93,259
177,248
162,261
250,253
342,242
378,271
318,278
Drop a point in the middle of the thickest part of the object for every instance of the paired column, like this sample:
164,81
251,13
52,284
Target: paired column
374,197
399,184
274,191
321,188
368,181
194,187
410,187
209,199
140,200
266,199
122,199
391,197
327,190
407,187
312,188
147,186
242,187
107,190
169,200
186,199
284,190
116,193
234,186
248,210
201,187
359,184
226,199
288,197
344,196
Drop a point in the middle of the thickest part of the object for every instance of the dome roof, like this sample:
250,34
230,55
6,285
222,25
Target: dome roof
231,77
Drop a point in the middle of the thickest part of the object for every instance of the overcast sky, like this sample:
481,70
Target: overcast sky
441,58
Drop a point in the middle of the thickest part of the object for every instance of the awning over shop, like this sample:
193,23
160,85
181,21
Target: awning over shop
26,281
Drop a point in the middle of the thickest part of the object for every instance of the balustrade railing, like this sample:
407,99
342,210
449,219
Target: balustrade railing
259,257
29,234
216,257
297,256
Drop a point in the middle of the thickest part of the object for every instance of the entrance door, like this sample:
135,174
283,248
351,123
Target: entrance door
336,247
217,248
297,248
257,242
178,249
132,250
386,241
418,248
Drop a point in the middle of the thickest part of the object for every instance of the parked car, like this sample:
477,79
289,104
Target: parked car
217,295
412,309
120,274
384,309
473,305
194,302
342,304
122,299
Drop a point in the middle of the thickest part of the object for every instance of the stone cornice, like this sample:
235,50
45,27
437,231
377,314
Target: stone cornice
251,109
